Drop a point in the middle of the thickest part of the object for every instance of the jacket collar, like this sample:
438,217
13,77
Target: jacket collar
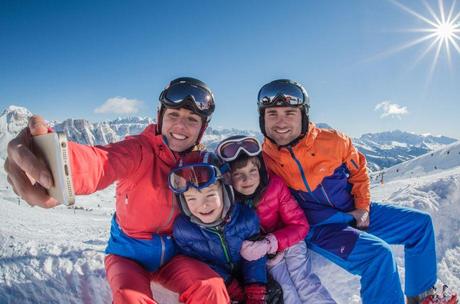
160,148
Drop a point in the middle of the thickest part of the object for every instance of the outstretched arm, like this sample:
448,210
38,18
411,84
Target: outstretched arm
93,168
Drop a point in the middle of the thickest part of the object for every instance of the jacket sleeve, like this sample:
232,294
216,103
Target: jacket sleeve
295,223
253,271
96,167
359,178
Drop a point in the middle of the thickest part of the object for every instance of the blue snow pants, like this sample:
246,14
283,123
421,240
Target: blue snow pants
368,254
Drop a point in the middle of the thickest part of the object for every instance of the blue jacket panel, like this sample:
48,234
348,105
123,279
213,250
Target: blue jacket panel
332,195
150,253
220,247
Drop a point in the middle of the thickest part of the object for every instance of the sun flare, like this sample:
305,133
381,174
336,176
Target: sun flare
442,31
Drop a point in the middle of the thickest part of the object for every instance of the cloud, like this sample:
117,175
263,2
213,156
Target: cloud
391,109
119,105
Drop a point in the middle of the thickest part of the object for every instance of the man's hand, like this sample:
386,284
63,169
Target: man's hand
28,176
362,218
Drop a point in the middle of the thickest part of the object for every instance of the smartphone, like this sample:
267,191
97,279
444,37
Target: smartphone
52,149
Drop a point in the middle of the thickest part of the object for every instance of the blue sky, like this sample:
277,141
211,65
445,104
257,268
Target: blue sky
66,59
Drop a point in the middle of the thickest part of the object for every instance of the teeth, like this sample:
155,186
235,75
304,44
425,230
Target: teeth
178,136
282,131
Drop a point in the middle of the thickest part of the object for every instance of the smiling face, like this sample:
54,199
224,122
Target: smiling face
181,127
246,179
283,124
205,204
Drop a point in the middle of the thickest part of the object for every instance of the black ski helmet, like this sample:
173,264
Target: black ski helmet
189,102
278,100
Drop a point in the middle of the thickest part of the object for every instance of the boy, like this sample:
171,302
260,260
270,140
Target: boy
212,227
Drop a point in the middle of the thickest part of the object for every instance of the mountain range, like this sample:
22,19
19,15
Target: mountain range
382,150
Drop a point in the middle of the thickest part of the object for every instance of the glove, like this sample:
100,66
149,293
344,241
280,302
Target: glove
235,291
252,251
272,243
255,293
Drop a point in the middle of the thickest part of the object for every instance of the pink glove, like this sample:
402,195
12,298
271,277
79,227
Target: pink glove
252,251
272,242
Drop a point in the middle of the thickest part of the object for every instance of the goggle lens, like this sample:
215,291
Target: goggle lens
198,176
179,92
281,92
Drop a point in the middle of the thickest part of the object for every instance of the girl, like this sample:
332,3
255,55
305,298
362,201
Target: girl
282,220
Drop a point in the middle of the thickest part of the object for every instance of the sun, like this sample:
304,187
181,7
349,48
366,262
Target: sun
445,31
442,31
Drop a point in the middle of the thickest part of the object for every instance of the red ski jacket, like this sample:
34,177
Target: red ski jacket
140,165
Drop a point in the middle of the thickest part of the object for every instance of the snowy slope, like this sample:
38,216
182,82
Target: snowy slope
56,255
429,163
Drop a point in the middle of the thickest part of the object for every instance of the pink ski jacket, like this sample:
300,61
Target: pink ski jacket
280,214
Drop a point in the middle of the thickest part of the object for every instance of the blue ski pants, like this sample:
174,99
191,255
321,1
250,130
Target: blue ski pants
368,253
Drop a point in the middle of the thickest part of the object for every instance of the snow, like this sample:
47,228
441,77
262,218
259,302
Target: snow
56,255
429,163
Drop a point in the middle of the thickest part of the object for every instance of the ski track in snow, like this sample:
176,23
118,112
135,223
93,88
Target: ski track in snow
57,255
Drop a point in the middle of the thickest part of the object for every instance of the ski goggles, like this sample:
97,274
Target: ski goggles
181,93
198,176
230,149
281,93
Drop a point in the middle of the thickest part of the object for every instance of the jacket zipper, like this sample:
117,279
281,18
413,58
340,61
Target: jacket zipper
223,243
170,214
163,247
325,195
354,163
302,173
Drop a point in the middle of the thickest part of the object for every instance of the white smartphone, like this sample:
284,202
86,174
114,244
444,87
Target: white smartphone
52,148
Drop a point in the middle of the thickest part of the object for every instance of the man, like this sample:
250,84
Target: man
140,248
329,179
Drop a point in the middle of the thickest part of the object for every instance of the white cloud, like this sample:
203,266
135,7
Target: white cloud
119,105
391,109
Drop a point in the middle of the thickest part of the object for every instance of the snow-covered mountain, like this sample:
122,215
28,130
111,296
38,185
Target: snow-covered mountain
382,150
432,162
387,149
12,120
101,133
